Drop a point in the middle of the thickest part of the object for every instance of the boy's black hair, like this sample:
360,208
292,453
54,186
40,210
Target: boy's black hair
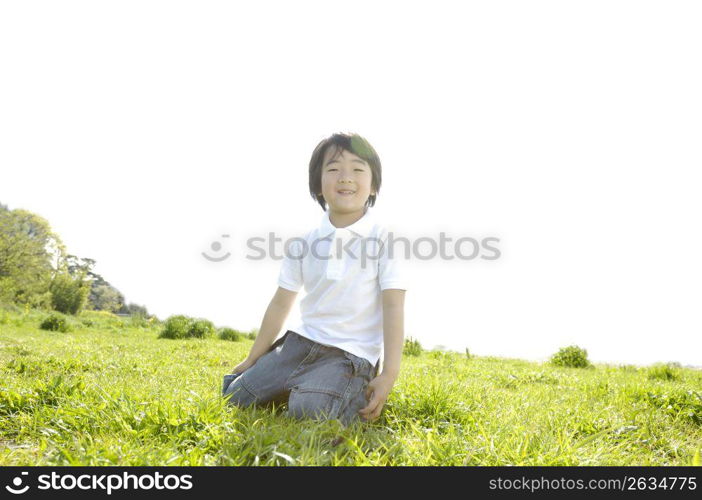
353,143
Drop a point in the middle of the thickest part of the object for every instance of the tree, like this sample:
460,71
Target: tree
102,295
28,248
76,265
105,298
135,310
35,269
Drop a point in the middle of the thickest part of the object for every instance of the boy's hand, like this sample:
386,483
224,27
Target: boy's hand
377,393
243,366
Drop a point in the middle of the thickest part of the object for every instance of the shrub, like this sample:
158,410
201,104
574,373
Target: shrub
412,347
571,356
664,371
181,327
9,307
100,319
229,334
56,323
252,334
139,321
443,356
176,327
68,294
200,328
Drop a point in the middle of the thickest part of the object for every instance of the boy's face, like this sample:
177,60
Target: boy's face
345,172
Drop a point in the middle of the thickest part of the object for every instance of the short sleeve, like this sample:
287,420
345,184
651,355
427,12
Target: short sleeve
290,276
391,269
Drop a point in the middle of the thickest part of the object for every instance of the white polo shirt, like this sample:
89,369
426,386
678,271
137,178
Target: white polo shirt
343,302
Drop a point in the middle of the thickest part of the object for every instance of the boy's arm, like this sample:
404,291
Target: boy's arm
379,388
272,323
393,330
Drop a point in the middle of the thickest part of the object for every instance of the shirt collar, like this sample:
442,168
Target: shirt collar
361,227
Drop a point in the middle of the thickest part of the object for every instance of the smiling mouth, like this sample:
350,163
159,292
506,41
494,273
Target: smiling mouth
346,193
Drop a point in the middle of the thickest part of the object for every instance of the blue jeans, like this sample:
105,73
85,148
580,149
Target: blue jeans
318,381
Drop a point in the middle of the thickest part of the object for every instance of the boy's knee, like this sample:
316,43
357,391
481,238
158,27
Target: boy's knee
238,395
349,412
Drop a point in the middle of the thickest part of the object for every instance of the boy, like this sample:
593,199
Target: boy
328,366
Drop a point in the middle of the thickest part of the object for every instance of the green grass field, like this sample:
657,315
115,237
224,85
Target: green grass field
112,393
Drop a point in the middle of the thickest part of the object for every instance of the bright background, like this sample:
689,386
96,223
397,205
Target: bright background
144,130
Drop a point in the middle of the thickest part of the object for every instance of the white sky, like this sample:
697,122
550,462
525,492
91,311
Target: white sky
144,130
